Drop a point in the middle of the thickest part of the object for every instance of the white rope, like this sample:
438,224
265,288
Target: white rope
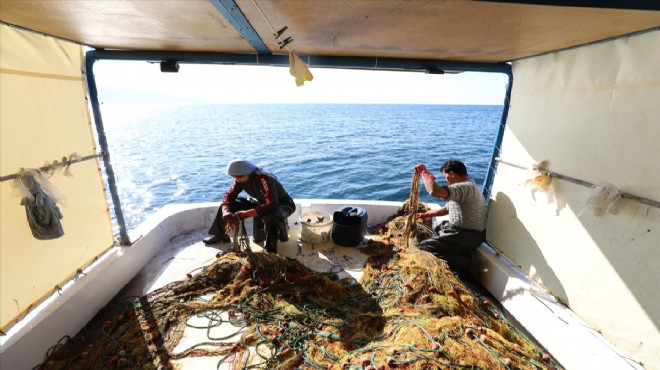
275,33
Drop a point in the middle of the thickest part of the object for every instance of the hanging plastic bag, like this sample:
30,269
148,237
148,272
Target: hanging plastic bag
538,179
298,69
603,198
41,209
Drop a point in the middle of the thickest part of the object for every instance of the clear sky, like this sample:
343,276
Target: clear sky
142,82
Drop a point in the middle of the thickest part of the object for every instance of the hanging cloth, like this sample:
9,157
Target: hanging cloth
299,70
43,215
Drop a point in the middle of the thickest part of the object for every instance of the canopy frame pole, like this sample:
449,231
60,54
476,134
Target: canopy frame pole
103,142
497,145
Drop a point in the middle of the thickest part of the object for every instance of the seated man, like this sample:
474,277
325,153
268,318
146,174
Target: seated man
271,203
465,229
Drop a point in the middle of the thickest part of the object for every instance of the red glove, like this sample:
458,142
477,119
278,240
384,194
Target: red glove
427,214
426,175
246,214
421,168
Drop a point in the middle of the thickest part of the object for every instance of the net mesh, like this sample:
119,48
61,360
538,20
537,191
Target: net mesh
408,311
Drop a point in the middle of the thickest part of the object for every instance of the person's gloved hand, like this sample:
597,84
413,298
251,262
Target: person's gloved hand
427,214
421,168
227,215
241,215
426,175
230,219
226,212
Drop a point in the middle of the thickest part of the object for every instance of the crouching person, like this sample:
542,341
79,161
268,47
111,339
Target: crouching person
270,204
464,231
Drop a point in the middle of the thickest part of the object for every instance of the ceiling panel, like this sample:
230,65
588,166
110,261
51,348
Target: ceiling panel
419,29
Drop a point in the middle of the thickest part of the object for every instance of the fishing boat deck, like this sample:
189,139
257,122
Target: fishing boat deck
186,255
169,246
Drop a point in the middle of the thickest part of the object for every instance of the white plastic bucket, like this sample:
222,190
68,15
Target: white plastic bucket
316,227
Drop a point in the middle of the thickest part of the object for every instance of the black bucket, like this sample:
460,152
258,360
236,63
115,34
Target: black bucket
349,226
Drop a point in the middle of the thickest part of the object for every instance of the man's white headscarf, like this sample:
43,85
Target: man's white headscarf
239,167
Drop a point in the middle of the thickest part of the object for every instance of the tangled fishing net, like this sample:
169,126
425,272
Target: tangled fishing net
408,311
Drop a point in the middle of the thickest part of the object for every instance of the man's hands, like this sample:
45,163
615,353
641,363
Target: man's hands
242,214
427,214
230,219
233,219
426,175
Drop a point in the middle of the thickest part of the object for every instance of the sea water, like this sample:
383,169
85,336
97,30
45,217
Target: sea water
168,154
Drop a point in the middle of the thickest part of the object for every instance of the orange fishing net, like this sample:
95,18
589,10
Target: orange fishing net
408,311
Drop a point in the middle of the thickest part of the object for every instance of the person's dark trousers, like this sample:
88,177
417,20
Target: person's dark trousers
453,245
272,222
275,224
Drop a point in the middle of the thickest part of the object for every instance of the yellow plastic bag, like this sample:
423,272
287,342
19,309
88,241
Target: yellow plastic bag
299,70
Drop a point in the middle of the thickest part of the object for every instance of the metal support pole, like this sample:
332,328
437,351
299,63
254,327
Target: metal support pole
490,176
100,131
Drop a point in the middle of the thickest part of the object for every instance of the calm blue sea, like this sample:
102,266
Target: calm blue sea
164,154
